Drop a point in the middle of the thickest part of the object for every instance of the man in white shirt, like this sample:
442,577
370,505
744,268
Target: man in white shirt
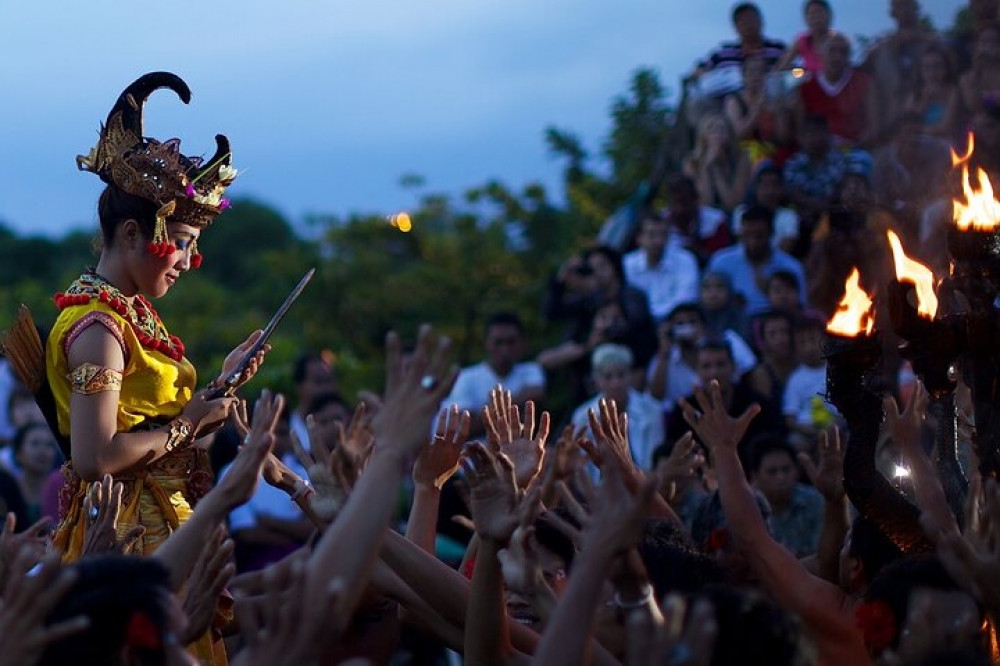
666,272
505,346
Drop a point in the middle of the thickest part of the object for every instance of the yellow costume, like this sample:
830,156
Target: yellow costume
157,382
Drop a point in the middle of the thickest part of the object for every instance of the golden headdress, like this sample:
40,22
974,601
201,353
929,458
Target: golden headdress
183,189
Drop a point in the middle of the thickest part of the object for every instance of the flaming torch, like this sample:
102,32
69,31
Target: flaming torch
974,241
854,313
854,354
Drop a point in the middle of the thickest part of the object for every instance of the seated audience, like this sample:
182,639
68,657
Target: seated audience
935,94
749,24
749,263
756,114
673,373
773,338
611,367
714,362
769,191
796,509
666,272
806,49
804,405
505,344
718,165
894,62
699,229
720,307
784,293
840,94
812,175
312,375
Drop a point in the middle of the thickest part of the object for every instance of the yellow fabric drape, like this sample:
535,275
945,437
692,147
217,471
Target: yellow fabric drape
155,388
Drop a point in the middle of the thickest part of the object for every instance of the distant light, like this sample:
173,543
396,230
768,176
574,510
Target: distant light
798,72
901,472
402,222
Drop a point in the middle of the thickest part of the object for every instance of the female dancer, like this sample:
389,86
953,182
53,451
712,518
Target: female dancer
124,392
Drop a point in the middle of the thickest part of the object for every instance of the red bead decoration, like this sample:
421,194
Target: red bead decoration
196,261
140,309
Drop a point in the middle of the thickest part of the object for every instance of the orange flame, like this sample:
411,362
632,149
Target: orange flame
908,270
980,211
854,313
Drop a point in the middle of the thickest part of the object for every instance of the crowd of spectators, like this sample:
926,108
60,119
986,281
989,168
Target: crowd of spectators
689,506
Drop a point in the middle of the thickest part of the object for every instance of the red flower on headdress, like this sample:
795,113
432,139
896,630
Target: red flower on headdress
877,623
142,633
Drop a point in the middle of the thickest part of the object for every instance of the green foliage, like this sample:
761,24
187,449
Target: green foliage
492,248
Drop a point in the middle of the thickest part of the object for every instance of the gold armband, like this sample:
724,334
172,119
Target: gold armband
180,435
89,378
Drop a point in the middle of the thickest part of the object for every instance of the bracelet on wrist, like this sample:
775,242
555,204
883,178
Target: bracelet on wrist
647,598
180,435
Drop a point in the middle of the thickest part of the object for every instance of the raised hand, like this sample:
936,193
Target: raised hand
238,486
905,427
828,476
973,557
519,562
710,421
354,444
102,506
493,492
610,429
518,440
438,460
27,600
275,472
326,472
14,544
276,628
211,574
682,462
618,515
414,391
232,361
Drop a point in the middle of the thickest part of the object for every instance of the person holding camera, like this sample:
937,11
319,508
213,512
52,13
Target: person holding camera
591,294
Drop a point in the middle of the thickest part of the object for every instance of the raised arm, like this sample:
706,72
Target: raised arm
349,547
824,608
905,430
828,478
437,462
180,552
615,527
493,493
611,431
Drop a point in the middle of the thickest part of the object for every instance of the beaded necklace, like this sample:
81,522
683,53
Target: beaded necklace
138,312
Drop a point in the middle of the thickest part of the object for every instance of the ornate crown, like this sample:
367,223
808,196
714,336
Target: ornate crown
184,189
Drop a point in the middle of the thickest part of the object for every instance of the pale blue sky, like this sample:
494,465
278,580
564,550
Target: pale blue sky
328,103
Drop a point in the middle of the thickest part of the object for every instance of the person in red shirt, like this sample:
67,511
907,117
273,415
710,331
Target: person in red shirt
840,94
